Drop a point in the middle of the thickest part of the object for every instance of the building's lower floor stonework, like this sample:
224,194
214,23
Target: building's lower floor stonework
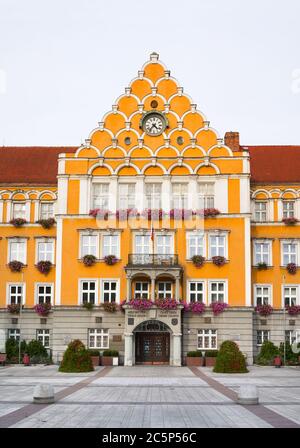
152,336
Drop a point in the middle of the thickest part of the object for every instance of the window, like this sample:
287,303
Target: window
261,252
290,295
217,291
100,196
14,333
260,211
195,244
98,338
126,196
164,290
43,336
288,209
44,293
142,244
15,294
164,244
110,291
110,245
217,245
88,291
153,196
141,290
196,291
292,336
19,210
262,294
180,195
262,336
207,339
46,210
89,245
206,195
17,250
289,251
45,250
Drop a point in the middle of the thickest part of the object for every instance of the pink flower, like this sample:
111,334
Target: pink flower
195,307
218,307
264,310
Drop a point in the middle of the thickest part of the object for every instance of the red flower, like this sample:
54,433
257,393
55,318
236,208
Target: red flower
264,310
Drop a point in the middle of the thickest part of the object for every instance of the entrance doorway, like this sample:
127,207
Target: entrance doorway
152,343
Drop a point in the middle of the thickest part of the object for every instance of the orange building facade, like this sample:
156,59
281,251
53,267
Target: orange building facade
154,213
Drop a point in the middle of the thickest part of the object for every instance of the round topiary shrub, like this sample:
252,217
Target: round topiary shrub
76,358
267,353
230,359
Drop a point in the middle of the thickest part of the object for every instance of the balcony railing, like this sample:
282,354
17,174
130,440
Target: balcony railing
153,259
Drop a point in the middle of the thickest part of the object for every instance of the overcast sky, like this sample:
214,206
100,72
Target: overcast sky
64,62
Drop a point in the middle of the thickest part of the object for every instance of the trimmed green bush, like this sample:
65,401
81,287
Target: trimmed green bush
230,359
94,352
211,353
267,353
290,357
194,354
12,350
76,358
114,353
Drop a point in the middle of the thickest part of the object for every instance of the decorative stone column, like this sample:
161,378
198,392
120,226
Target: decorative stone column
128,288
128,349
177,349
153,288
177,288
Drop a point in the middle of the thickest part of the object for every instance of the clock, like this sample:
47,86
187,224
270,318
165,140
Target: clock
153,123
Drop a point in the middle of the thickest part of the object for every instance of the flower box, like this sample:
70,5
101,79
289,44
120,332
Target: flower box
99,214
46,223
14,308
44,266
198,260
194,361
95,357
195,307
218,307
110,260
293,310
290,221
110,358
291,268
218,260
42,309
262,266
16,266
264,310
89,260
210,358
18,222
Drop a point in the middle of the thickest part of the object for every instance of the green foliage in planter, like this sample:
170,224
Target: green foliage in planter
230,359
76,358
211,353
94,352
194,354
36,349
290,357
267,353
88,306
12,349
113,353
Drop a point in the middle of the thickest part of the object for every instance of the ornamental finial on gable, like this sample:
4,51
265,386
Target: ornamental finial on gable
154,57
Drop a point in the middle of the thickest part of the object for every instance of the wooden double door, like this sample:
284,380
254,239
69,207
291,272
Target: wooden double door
152,348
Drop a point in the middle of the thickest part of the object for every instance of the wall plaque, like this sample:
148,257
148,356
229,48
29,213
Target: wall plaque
130,321
174,321
117,338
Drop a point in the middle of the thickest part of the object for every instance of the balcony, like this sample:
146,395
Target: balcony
159,260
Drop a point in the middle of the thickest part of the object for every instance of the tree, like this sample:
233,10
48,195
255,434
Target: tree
230,359
267,353
76,358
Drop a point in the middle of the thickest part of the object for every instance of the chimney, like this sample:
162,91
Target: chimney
232,139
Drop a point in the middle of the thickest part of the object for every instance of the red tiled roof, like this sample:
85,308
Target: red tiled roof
34,165
274,164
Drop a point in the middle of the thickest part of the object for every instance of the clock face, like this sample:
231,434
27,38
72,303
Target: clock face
154,124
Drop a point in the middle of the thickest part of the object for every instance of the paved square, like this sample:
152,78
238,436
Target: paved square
146,396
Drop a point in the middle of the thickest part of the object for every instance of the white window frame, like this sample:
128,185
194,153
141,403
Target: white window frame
143,235
116,253
44,240
103,333
43,335
9,284
289,212
263,339
153,196
183,198
263,285
289,285
260,212
17,333
42,203
189,236
296,242
206,199
104,197
209,292
117,281
207,333
24,215
128,197
36,291
80,283
189,292
165,291
218,235
17,240
142,291
94,234
171,235
270,255
291,332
